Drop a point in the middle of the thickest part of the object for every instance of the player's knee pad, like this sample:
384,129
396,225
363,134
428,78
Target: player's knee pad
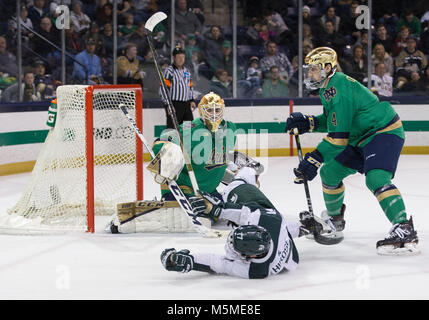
377,178
330,173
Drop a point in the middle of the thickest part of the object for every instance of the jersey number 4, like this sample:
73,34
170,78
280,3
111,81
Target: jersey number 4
334,119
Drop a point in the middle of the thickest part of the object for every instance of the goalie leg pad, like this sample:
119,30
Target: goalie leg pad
153,216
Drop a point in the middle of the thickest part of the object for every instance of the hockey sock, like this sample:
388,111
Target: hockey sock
334,197
389,197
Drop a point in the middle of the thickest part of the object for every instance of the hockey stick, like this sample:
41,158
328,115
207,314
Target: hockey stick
332,238
174,188
150,25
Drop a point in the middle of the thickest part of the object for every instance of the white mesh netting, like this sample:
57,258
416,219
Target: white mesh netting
55,197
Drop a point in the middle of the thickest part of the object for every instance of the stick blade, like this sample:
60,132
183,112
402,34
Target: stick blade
154,20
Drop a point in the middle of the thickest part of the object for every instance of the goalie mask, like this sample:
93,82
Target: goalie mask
314,68
211,109
249,241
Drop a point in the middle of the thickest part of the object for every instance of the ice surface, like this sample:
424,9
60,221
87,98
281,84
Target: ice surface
105,266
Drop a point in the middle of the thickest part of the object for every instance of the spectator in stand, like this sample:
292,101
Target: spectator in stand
50,32
28,90
186,21
400,42
383,38
254,76
129,69
221,84
265,34
330,16
144,9
43,82
26,21
306,48
274,58
252,33
94,33
211,44
411,21
107,37
275,86
8,63
281,33
92,62
356,66
414,85
128,27
226,61
79,19
125,10
363,41
196,6
410,63
191,46
381,81
308,19
381,56
390,21
138,37
330,38
37,11
348,24
105,14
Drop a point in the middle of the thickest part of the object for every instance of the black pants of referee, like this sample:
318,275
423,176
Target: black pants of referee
183,113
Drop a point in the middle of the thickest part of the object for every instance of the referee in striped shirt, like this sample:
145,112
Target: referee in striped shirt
178,81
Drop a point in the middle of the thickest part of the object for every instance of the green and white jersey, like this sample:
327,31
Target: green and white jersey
352,115
283,254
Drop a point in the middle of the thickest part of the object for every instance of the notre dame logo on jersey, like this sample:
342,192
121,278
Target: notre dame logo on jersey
329,93
217,159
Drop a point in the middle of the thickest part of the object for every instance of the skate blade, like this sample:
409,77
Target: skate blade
409,249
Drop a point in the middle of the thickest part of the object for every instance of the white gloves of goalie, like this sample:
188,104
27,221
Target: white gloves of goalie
167,164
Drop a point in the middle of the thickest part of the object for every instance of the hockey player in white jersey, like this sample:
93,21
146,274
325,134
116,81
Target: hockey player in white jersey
262,245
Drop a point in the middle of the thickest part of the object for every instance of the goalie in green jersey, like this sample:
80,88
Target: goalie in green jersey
208,140
363,135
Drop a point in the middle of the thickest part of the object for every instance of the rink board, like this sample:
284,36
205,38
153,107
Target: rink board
260,132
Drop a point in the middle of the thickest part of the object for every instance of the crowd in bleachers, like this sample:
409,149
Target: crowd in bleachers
267,45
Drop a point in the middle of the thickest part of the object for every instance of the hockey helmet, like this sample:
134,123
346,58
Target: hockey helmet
249,241
314,67
211,109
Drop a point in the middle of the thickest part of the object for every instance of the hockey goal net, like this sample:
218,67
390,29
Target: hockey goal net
90,161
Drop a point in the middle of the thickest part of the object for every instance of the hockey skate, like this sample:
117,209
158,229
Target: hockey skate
401,240
337,222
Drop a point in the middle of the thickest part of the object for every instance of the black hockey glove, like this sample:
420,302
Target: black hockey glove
304,123
214,206
180,261
308,166
308,224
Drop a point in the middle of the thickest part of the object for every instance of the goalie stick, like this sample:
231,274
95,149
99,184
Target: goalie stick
331,237
150,25
174,188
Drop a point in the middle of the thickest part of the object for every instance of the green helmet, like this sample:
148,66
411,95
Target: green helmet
249,241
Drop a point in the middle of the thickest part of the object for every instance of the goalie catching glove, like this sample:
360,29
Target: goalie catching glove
167,164
180,261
